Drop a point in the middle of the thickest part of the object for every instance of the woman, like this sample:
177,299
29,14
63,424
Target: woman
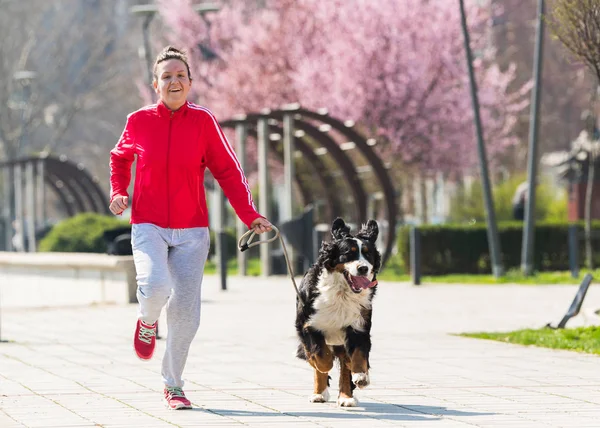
175,141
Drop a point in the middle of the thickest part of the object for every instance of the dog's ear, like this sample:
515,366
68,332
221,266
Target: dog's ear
369,231
339,230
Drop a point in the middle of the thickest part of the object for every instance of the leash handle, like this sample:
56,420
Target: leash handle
249,236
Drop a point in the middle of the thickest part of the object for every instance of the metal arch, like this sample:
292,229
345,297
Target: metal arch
318,166
91,190
77,183
69,172
251,129
343,161
332,199
372,158
61,194
54,170
303,191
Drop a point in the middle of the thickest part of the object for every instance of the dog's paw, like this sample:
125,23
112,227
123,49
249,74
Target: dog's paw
347,402
361,380
320,398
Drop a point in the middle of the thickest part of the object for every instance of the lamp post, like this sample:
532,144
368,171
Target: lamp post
12,189
529,224
147,12
23,79
492,231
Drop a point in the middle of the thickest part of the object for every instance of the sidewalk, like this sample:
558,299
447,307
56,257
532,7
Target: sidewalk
75,367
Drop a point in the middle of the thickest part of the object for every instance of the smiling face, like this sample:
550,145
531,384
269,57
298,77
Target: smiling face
172,83
355,257
358,263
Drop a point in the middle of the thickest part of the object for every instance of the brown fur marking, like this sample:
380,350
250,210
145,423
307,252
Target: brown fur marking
320,382
345,377
358,362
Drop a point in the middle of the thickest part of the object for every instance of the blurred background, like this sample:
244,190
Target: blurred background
395,72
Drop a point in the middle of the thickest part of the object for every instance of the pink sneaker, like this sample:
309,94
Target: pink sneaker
144,340
175,398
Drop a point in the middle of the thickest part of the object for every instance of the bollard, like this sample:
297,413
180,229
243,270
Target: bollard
415,255
222,258
573,251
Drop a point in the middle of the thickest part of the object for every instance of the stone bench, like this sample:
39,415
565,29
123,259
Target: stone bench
65,279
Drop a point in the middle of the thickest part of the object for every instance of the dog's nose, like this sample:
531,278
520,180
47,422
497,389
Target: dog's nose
363,270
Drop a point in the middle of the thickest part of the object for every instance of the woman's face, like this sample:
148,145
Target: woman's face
172,83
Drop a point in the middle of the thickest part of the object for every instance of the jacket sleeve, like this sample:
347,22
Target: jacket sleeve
121,158
225,167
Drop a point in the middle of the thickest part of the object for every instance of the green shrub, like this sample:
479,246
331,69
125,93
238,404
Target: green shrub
81,233
468,205
464,249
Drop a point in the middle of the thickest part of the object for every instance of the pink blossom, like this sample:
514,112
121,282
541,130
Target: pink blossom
396,67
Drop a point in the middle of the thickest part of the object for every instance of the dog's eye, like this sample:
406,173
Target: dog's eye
365,249
354,249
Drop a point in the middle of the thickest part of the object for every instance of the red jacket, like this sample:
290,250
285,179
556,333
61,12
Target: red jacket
173,149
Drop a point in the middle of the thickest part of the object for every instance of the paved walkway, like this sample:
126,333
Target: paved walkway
74,367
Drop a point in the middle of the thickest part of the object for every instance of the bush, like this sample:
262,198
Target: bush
464,249
82,233
550,202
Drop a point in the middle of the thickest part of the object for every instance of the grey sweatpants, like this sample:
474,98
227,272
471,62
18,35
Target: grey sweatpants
170,265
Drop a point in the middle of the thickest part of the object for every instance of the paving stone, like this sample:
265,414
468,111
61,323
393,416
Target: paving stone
74,366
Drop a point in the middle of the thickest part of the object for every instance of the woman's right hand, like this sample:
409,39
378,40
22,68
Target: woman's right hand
118,204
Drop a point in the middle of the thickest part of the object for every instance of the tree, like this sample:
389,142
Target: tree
566,84
77,91
576,23
396,67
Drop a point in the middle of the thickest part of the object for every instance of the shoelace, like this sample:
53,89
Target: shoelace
174,392
146,334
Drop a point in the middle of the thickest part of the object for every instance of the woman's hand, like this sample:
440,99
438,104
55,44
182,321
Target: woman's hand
118,204
261,225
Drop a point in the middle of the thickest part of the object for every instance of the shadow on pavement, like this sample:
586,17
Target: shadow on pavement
387,411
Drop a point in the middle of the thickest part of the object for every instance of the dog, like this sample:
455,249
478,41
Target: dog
333,310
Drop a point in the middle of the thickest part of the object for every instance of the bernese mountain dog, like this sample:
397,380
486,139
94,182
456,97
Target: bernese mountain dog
333,310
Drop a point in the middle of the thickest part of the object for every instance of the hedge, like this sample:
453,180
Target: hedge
82,233
462,249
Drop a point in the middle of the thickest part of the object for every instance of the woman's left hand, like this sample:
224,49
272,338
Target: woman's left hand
261,225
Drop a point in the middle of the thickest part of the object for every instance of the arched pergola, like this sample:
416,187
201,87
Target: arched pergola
25,182
315,134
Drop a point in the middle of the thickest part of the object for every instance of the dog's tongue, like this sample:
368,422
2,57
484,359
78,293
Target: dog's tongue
361,281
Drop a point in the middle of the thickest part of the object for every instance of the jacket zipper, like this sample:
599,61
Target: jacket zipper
168,188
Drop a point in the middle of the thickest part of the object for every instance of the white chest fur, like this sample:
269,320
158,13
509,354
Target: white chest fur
338,307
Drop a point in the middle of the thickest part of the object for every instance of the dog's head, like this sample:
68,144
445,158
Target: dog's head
355,257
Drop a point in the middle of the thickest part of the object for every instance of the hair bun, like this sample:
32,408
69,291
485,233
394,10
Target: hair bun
171,52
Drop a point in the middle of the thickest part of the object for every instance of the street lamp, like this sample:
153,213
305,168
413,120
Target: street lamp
147,12
23,79
492,230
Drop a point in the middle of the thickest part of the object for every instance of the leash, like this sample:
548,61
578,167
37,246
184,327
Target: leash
245,243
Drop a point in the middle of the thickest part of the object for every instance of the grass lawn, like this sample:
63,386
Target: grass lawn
582,339
512,277
394,272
